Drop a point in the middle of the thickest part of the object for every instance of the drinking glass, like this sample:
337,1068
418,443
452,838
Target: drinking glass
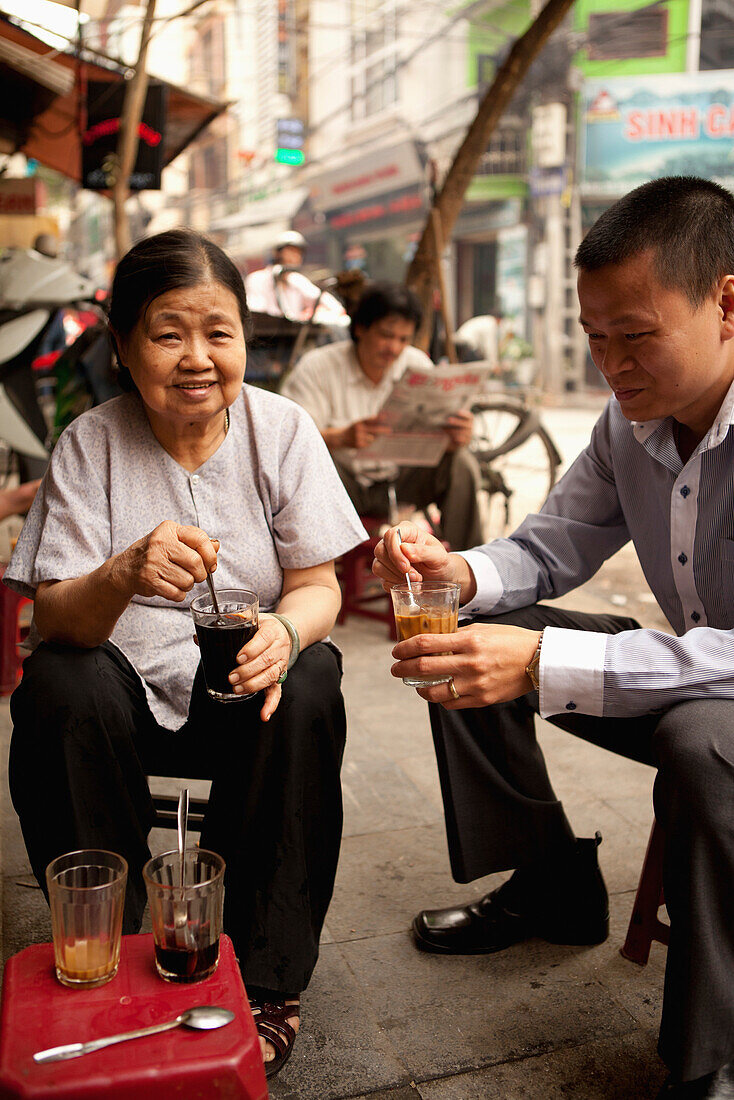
221,637
186,919
86,893
427,607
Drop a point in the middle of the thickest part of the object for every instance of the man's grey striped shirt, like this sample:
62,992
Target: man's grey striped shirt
630,483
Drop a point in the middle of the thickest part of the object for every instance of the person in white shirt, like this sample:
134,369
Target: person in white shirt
281,290
344,386
656,287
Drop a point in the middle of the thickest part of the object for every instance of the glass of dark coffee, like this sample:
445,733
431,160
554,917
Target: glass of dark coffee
186,918
221,636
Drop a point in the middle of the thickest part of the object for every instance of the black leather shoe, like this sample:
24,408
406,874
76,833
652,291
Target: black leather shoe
714,1086
563,901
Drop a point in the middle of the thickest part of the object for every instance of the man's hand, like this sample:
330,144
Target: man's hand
460,426
421,555
487,663
363,432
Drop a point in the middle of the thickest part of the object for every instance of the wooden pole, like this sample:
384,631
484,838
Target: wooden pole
441,285
450,197
127,144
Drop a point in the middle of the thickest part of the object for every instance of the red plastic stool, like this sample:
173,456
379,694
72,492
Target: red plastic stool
38,1012
644,925
354,570
12,633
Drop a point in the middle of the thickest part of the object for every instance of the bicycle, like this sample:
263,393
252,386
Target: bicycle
518,461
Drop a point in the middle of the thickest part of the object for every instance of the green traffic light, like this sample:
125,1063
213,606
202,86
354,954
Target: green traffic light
290,156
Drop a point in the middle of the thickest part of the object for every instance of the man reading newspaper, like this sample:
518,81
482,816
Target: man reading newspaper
344,387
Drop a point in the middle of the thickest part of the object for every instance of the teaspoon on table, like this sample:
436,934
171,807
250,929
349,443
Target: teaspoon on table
201,1017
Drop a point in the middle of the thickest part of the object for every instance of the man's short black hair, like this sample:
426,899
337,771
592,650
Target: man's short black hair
381,300
687,222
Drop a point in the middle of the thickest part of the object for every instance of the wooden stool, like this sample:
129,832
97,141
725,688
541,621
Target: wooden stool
12,633
38,1012
644,925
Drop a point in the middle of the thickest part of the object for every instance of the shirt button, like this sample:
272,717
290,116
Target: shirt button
682,559
571,705
194,479
695,616
685,491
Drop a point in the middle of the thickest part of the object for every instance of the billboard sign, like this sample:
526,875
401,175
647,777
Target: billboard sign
638,128
99,140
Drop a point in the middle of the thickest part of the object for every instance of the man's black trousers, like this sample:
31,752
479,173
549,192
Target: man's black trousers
501,813
84,741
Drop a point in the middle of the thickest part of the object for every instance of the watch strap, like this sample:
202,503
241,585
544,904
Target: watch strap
533,668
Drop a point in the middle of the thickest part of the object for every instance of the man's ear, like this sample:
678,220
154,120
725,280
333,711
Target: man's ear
726,305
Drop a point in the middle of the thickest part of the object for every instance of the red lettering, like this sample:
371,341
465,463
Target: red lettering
635,129
716,121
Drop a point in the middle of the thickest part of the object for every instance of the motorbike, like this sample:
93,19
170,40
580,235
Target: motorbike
34,291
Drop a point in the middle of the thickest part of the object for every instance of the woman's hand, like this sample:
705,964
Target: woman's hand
168,562
486,662
261,663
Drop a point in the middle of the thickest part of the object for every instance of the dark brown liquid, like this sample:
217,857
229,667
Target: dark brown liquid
426,622
187,966
219,647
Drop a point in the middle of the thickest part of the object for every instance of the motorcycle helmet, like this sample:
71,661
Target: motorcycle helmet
291,237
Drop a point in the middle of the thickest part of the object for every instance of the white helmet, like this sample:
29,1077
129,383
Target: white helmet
290,237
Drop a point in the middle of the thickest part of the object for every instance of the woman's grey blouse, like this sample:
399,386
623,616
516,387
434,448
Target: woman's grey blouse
270,494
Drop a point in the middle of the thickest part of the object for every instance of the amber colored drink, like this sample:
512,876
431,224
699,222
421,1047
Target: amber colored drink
426,622
88,960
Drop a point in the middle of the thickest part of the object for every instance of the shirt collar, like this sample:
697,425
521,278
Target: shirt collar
643,430
387,379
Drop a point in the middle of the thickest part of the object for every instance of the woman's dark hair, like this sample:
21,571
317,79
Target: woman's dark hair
172,260
381,300
687,222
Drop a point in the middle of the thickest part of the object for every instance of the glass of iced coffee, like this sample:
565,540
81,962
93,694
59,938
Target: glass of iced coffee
426,607
222,635
86,893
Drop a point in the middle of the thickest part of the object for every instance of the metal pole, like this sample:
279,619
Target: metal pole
693,40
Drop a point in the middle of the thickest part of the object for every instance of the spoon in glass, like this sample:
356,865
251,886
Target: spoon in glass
413,604
201,1017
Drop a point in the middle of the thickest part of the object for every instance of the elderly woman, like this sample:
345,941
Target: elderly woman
189,472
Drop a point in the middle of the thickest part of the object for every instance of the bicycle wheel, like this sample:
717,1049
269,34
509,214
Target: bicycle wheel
518,461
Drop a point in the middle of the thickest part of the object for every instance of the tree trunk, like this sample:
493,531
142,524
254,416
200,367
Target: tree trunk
450,197
127,144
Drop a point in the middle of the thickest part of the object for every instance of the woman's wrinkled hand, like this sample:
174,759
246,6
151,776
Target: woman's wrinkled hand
419,553
261,663
486,662
168,562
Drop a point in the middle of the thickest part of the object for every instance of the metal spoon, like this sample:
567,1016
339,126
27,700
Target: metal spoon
202,1017
212,593
413,604
181,930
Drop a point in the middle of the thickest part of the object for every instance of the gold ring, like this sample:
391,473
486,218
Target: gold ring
452,689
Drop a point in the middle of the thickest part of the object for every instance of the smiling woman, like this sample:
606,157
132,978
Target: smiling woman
187,473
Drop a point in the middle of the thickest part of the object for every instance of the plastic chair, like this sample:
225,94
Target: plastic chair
361,593
644,925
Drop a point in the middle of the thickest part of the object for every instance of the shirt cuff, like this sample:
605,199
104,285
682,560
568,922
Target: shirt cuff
488,582
572,671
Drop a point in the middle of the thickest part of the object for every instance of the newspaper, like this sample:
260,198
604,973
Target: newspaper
416,411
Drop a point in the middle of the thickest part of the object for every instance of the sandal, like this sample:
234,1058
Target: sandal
271,1020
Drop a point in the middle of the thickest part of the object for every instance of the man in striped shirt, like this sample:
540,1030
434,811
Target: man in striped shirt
656,287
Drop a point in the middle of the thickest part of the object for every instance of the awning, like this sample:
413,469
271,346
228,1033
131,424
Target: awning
45,125
275,208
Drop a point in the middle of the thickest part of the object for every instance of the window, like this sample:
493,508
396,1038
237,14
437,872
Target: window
374,56
506,153
619,34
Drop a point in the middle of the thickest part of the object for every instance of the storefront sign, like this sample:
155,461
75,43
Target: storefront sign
21,196
512,249
643,127
389,206
383,171
99,140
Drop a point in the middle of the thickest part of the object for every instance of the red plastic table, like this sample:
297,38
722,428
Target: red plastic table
38,1012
